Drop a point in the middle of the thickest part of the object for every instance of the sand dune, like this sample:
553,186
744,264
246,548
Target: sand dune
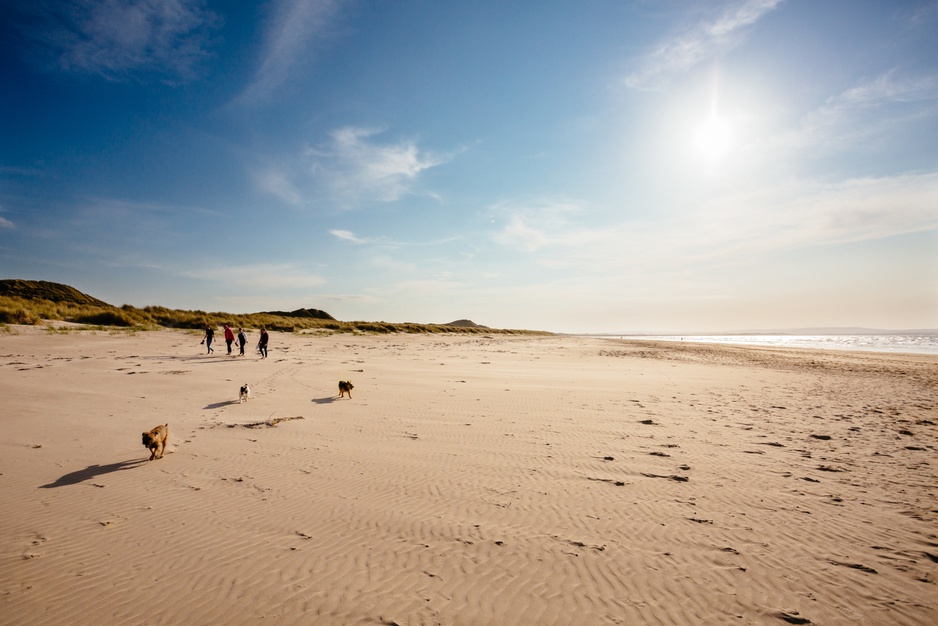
471,480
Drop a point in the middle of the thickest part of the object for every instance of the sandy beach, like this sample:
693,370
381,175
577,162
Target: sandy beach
469,480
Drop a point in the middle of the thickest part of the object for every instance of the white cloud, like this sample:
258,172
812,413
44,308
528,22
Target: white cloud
358,168
698,43
294,29
347,236
118,39
350,169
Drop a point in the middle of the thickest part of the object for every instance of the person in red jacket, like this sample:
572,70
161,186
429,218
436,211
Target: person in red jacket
229,337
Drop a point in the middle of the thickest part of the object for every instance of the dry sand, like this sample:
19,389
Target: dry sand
470,480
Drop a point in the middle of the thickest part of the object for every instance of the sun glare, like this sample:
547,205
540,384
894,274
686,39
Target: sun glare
714,139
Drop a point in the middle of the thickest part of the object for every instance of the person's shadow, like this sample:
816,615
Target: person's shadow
91,471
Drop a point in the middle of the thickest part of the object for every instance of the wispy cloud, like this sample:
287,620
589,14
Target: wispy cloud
357,167
4,222
294,29
889,88
698,43
531,226
732,228
859,209
349,169
346,235
519,232
277,183
122,39
348,297
261,276
866,109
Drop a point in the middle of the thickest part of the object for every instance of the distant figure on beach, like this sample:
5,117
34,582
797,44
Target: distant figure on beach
229,337
209,337
242,340
262,344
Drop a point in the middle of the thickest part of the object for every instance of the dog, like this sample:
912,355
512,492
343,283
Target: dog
245,394
345,387
156,441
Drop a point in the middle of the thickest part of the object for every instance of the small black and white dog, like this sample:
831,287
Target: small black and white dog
245,393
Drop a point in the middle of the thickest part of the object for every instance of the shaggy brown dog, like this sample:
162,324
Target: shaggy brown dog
156,440
345,387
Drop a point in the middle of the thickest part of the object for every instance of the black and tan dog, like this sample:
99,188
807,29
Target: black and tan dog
156,441
345,387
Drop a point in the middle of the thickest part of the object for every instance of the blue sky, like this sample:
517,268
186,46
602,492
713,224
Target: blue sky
600,166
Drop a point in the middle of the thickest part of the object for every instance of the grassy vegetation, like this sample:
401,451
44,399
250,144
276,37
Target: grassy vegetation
44,290
34,311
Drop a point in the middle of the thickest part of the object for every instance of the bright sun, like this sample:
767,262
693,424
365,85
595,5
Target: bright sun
714,139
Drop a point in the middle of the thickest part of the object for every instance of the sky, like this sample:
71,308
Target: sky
583,167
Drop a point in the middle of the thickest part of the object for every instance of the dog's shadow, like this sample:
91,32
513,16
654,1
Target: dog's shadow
91,471
218,405
328,400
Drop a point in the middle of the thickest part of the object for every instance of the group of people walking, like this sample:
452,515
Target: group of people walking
230,338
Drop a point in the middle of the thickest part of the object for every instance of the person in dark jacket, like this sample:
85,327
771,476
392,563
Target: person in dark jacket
242,340
262,344
209,337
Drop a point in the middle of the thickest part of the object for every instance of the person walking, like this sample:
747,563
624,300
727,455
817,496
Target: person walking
262,344
229,337
209,337
242,340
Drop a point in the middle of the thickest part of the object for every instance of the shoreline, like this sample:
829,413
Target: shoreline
504,479
894,343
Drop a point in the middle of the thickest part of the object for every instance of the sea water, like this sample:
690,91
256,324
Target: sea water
917,344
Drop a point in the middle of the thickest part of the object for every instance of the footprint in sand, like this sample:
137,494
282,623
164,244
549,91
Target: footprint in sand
32,551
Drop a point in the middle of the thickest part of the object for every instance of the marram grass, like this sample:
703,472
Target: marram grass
21,311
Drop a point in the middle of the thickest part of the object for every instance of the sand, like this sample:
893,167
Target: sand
470,480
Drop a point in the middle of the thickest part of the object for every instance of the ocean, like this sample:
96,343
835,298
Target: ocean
915,344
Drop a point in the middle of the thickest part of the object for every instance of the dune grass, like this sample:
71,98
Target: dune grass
35,311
